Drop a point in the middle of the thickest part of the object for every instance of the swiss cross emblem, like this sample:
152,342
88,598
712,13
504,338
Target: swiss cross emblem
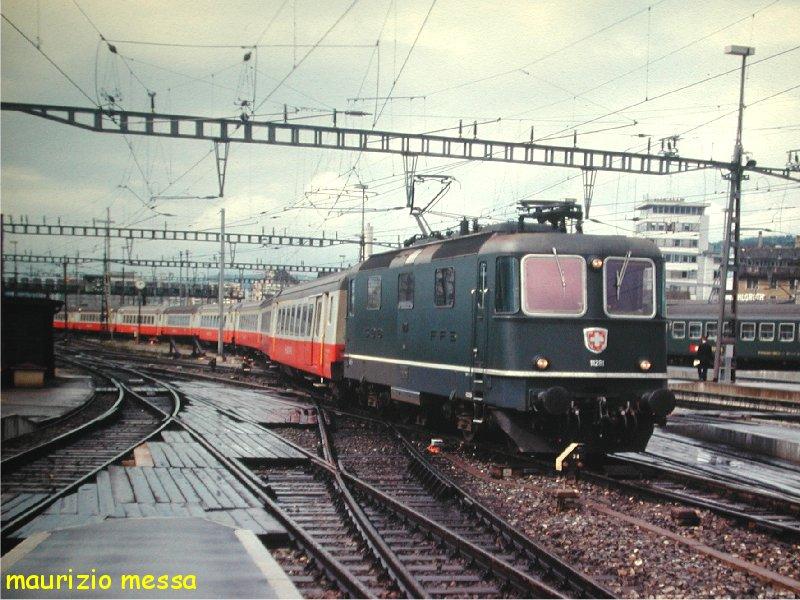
595,339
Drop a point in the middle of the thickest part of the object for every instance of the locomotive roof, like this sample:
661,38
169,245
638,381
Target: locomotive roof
507,242
704,310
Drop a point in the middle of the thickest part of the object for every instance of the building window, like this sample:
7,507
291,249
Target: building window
786,332
766,332
444,287
405,291
747,332
506,290
374,292
678,330
695,330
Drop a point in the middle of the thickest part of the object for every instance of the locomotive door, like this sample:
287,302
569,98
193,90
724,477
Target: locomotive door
480,322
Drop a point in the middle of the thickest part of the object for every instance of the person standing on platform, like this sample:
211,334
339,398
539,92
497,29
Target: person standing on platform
705,356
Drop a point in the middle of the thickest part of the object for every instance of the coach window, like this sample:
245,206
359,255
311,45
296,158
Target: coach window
711,330
374,292
444,287
695,330
786,332
506,288
678,330
405,291
553,285
747,332
766,332
629,287
726,330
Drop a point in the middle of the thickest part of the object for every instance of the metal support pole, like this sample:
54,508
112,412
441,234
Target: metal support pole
66,308
221,291
731,241
139,320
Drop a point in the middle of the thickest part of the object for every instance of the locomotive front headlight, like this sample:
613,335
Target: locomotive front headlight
596,263
645,365
541,363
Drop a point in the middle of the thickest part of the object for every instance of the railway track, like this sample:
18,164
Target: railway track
768,512
38,476
103,399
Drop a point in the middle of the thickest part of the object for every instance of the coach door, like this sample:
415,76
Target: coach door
317,333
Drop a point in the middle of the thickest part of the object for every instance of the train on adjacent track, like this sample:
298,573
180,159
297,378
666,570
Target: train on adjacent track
767,337
548,336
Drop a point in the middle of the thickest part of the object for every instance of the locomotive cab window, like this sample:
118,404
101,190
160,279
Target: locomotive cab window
786,332
444,288
629,287
747,332
695,330
506,287
405,291
553,285
374,292
766,332
678,330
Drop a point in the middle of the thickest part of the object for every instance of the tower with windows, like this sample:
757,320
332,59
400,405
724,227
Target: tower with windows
680,229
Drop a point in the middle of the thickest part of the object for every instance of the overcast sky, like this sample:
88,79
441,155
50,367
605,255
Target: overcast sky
617,72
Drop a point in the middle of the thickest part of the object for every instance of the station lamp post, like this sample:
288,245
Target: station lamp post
731,241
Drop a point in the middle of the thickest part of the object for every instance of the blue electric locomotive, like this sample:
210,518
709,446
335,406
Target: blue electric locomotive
552,337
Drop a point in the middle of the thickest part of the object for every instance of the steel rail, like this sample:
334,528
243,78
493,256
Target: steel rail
6,533
578,582
391,562
336,570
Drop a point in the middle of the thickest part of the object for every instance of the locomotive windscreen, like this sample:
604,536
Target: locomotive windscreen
629,287
553,284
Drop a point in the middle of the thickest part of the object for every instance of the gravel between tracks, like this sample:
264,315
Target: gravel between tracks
632,562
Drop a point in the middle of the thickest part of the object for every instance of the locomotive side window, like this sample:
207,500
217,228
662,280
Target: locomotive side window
678,330
695,330
766,332
444,288
711,330
405,291
786,332
747,332
374,292
481,291
553,285
506,290
351,295
629,287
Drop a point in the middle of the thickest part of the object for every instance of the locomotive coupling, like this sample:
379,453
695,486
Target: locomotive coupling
659,402
554,401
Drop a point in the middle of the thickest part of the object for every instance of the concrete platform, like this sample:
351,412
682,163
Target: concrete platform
225,562
707,394
24,409
778,440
